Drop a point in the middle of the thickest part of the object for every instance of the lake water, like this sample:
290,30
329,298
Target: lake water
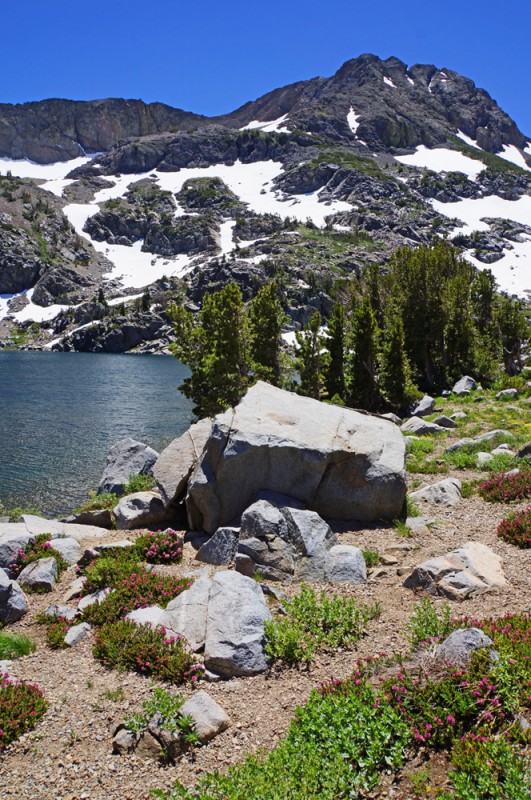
61,412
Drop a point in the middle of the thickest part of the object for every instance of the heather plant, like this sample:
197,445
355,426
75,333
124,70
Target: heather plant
516,528
140,589
21,707
149,651
40,547
110,569
506,488
15,645
160,547
316,622
427,624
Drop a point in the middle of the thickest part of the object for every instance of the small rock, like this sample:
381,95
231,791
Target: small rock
39,575
424,407
146,616
507,393
138,510
75,589
483,458
458,647
443,493
77,633
464,384
345,564
459,415
220,549
61,611
13,603
124,742
524,451
95,597
444,422
209,718
420,427
392,417
68,548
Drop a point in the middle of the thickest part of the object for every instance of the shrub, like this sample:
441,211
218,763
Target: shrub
168,706
111,569
139,483
427,625
372,557
160,547
21,707
489,769
505,488
14,645
98,502
150,651
516,529
138,590
40,547
313,622
14,514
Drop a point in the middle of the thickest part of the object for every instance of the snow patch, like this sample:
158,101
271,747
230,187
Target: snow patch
513,154
32,312
513,271
389,82
268,127
23,168
527,150
412,82
443,160
353,120
468,140
226,242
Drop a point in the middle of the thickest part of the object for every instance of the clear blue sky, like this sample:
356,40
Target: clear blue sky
210,57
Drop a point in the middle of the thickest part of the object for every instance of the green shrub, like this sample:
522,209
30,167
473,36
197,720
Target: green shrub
427,624
372,557
15,645
21,707
14,514
140,589
316,622
160,547
98,502
110,569
489,769
141,648
169,707
516,528
40,547
139,483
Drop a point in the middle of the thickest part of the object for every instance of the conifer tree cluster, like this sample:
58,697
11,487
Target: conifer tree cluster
417,324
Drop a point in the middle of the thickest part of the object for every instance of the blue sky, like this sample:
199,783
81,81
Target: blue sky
211,57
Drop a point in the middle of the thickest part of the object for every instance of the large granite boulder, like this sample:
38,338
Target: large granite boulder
340,463
126,457
13,604
187,614
40,575
177,461
235,636
470,570
139,510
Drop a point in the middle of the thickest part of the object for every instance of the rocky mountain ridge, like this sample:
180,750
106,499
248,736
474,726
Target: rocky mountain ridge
310,184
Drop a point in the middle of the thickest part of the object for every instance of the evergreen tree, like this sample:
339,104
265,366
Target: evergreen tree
310,360
217,350
395,381
363,388
335,343
267,317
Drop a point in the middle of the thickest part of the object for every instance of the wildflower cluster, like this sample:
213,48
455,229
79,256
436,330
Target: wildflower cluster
506,488
516,529
40,547
147,650
108,570
56,630
139,590
160,547
21,707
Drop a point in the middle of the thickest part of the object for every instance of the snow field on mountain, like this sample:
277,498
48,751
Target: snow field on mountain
467,140
389,82
443,160
268,127
353,120
53,174
513,154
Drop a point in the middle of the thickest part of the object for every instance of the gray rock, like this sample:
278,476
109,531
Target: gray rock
507,393
220,549
524,451
489,435
95,597
470,570
270,556
68,548
77,633
11,541
345,564
465,384
13,603
177,461
417,525
124,742
39,575
462,444
311,538
100,518
138,510
458,647
67,612
443,493
424,407
209,718
483,458
235,626
38,525
146,616
75,589
502,450
187,614
280,500
392,417
444,422
420,427
337,461
125,458
459,415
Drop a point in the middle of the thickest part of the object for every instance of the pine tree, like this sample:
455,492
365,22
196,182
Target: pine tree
267,317
217,350
310,361
363,388
336,345
395,381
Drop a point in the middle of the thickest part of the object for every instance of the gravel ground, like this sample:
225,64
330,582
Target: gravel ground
68,756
